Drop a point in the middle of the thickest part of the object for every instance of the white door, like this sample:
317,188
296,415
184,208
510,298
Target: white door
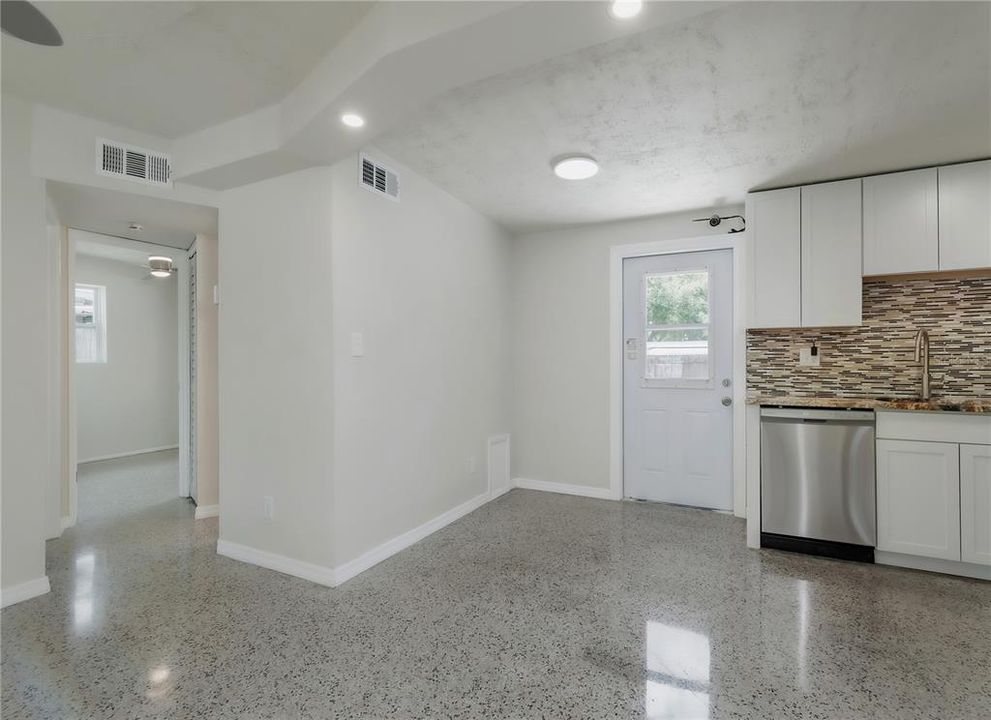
975,504
918,498
677,374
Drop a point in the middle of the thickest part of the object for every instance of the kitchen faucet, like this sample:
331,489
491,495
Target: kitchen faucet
922,356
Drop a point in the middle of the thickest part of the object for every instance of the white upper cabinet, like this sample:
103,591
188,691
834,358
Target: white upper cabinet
774,233
831,254
901,223
965,216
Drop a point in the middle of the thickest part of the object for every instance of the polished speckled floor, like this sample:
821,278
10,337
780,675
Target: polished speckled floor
535,606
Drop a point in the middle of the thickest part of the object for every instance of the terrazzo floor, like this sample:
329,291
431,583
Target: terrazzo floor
534,606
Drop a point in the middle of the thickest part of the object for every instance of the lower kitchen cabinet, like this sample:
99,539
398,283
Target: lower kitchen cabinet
918,498
975,504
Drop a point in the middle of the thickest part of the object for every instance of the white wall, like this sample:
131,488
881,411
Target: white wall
560,346
28,426
426,282
131,402
275,366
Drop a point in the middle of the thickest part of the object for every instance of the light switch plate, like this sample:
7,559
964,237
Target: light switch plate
357,344
806,358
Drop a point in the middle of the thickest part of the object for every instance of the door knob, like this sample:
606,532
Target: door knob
727,401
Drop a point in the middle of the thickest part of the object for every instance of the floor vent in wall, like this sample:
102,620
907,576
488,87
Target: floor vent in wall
377,179
132,163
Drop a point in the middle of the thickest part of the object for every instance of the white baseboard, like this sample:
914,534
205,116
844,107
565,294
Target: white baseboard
24,591
599,493
131,453
280,563
206,511
499,493
948,567
345,572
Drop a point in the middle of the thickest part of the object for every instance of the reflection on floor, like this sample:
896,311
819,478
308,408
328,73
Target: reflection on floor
536,605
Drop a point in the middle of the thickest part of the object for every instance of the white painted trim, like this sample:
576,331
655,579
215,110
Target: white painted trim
24,591
280,563
729,241
494,440
500,493
331,577
599,493
66,523
348,570
206,511
948,567
181,264
130,453
753,476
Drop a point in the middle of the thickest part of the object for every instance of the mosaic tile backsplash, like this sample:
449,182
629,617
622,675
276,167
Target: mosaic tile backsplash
877,358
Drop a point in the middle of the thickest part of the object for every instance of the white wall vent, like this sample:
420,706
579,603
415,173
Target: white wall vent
132,163
377,179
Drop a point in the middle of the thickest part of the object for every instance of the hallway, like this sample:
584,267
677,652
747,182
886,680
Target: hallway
535,605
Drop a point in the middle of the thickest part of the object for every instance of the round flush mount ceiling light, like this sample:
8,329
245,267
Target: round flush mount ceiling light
353,120
625,9
575,167
24,21
161,266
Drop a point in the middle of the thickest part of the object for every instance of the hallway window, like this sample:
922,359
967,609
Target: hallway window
91,323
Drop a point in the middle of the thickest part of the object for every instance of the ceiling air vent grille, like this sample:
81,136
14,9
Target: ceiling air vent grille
132,163
378,179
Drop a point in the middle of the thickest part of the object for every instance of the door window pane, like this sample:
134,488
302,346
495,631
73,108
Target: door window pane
91,323
676,329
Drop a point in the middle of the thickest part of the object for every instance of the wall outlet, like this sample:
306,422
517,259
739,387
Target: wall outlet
216,295
809,356
268,507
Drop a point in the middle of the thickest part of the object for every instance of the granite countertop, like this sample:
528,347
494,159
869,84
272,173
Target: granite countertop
970,405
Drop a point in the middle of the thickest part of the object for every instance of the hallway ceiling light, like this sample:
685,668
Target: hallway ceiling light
626,9
575,167
353,120
160,265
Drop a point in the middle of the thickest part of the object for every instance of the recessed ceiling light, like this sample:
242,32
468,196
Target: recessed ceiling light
575,167
353,120
626,9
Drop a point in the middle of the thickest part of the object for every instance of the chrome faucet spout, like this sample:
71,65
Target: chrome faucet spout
922,356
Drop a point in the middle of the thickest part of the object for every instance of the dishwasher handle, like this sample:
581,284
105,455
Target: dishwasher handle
855,416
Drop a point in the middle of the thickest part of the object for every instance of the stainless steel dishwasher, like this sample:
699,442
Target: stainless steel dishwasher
817,492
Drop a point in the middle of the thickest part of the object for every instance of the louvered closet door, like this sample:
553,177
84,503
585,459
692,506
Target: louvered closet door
192,377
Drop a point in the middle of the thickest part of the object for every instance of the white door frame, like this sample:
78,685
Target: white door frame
181,263
729,241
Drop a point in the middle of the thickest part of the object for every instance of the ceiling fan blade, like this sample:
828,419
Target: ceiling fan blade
23,20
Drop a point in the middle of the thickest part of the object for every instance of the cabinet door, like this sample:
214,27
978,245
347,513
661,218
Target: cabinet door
975,504
918,498
900,223
831,254
774,231
965,216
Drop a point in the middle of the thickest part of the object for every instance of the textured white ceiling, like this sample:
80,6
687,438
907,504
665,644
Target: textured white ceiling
169,68
696,114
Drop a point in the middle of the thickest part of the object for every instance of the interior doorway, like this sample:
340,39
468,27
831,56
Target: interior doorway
137,378
130,369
